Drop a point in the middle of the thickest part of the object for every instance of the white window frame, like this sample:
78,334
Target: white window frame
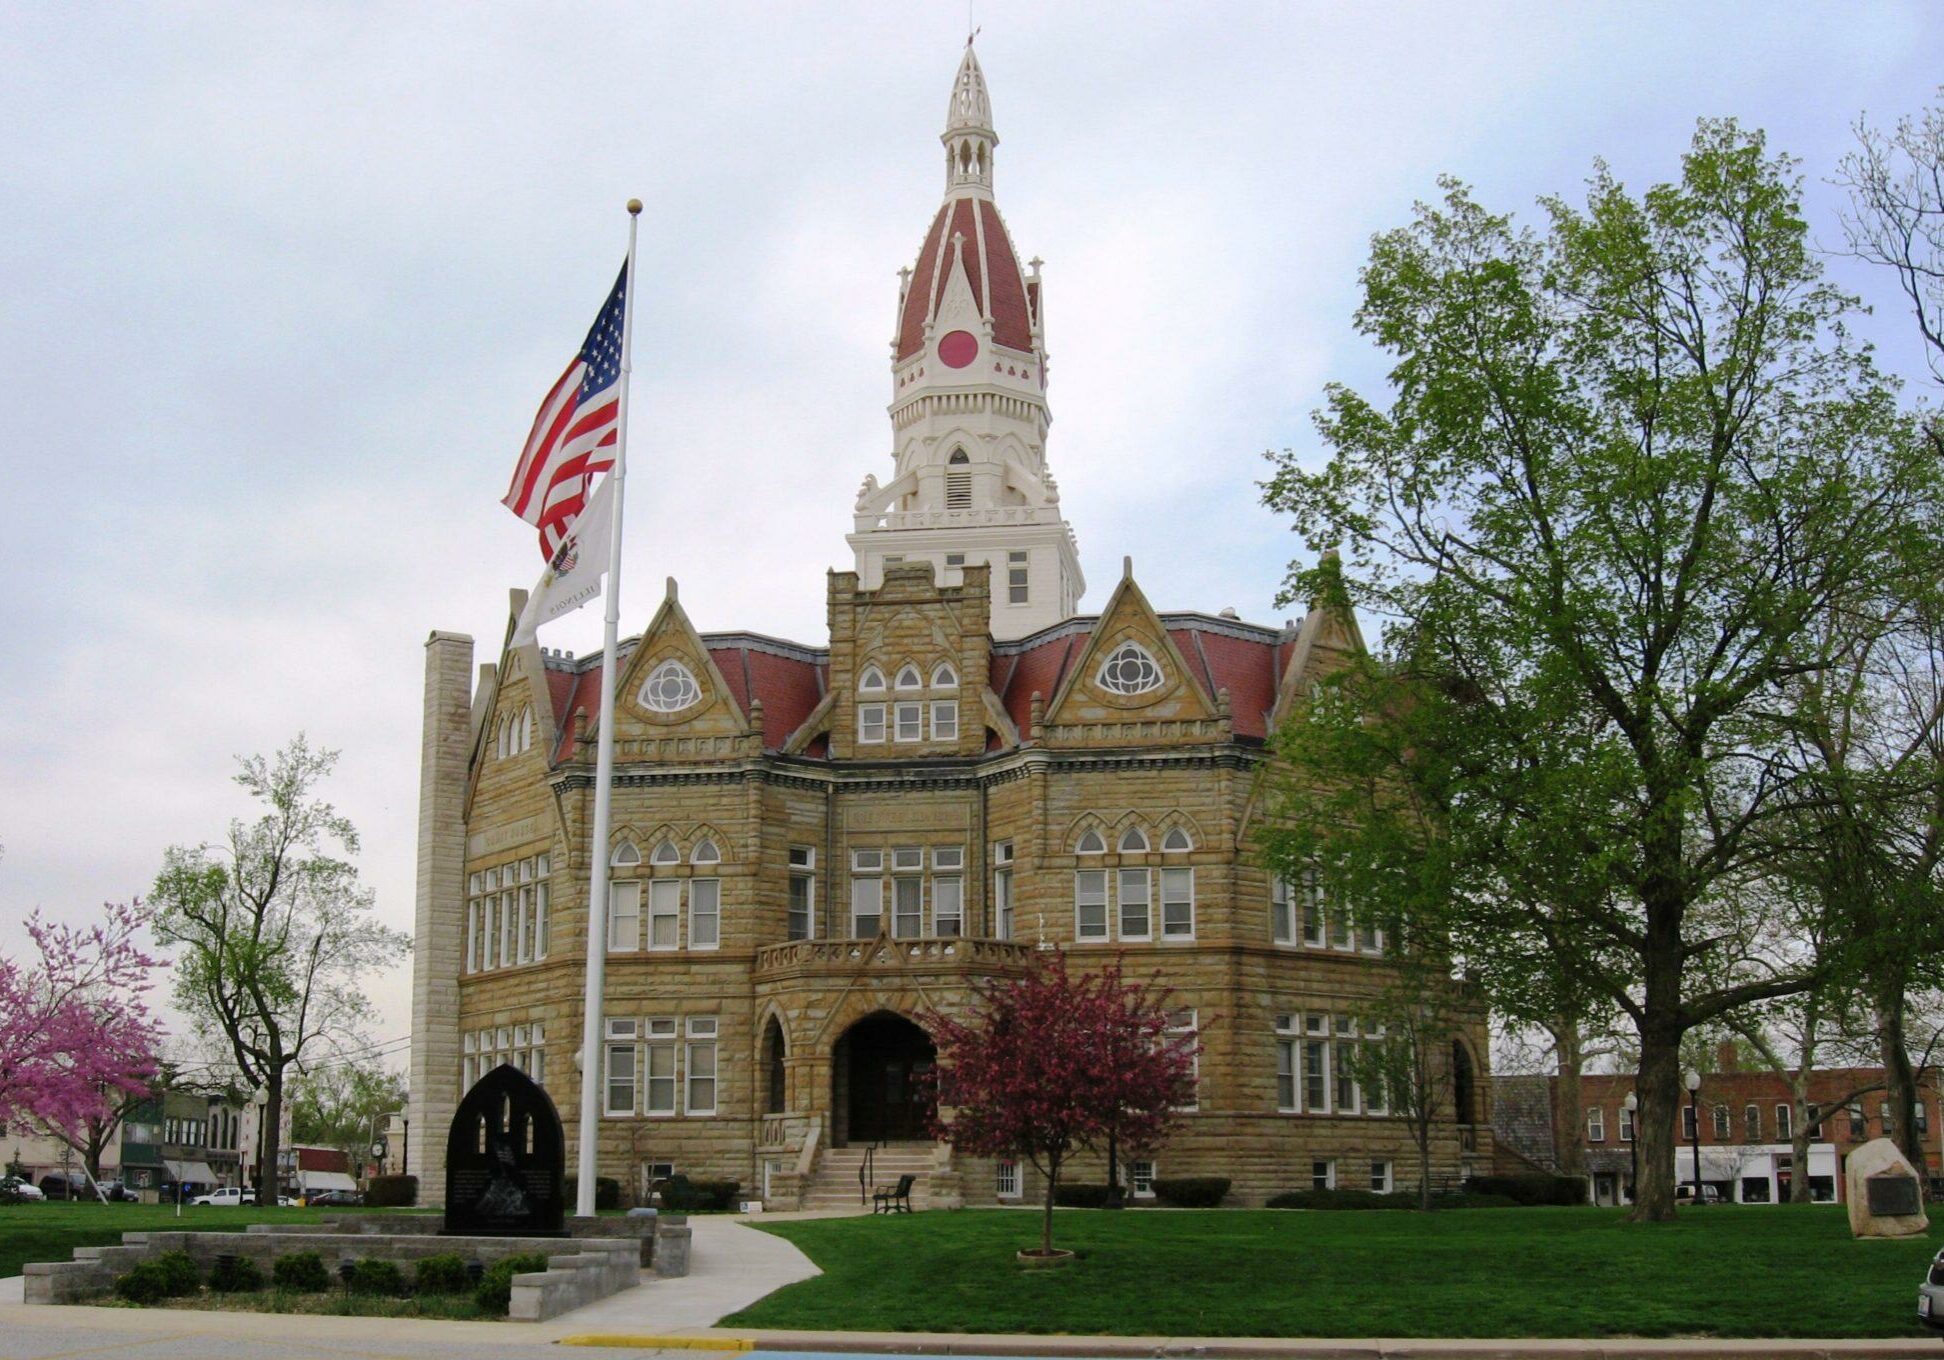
1180,897
1289,1065
1323,1169
1007,1183
1083,880
664,905
871,680
1383,1176
867,882
649,698
908,721
1595,1124
705,913
624,917
1187,1020
803,877
620,1043
1784,1122
665,852
1002,890
943,675
947,906
1018,581
1343,1053
1139,878
908,678
1312,923
944,720
658,1051
702,1037
871,729
1282,911
1156,677
1141,1173
1626,1125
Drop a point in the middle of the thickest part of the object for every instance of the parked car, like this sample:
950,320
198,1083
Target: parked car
14,1190
1930,1295
118,1193
1684,1194
229,1194
335,1199
64,1185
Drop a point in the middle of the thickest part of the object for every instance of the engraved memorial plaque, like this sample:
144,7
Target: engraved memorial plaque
1894,1196
505,1160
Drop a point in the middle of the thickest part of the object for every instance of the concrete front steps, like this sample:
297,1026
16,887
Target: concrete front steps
834,1184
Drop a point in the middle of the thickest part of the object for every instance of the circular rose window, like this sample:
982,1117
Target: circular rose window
956,349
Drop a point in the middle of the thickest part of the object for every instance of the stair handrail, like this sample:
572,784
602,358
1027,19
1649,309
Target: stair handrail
865,1168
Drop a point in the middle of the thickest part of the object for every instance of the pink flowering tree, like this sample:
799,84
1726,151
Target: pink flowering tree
76,1036
1050,1064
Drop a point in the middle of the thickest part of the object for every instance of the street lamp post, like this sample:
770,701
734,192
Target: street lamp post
1694,1117
1631,1104
261,1099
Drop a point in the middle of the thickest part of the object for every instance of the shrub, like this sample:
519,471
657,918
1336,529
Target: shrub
607,1192
1369,1199
235,1275
391,1192
1079,1196
443,1274
1533,1188
179,1273
495,1292
682,1194
144,1285
1192,1192
375,1277
301,1270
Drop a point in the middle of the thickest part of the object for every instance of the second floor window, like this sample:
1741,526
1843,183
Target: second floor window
803,891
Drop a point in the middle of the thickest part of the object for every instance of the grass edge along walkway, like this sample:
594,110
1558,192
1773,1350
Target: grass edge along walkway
52,1232
1721,1271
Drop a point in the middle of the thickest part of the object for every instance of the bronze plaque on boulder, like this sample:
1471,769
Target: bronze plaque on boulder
505,1160
1894,1196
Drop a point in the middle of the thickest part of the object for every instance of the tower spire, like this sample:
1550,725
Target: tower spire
968,136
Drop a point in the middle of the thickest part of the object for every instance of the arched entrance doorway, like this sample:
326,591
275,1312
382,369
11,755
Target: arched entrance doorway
880,1080
773,1054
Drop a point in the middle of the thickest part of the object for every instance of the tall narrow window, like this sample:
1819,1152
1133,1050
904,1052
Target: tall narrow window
1090,904
472,934
701,1065
1312,904
867,893
1316,1064
1282,914
624,916
1016,578
908,893
619,1098
1002,890
1184,1022
1178,903
958,482
910,720
1286,1051
541,902
1752,1124
1626,1125
1135,923
1722,1129
660,1054
705,913
1595,1124
665,913
1345,1077
1784,1123
803,891
948,892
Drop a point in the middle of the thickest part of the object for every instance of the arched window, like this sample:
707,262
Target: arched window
871,681
665,853
670,688
958,481
1129,669
908,677
526,727
944,677
1133,841
625,855
1090,844
706,853
1176,841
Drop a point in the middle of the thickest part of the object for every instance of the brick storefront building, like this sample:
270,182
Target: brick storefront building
1744,1119
816,846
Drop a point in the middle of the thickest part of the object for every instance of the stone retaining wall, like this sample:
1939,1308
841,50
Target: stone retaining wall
594,1268
664,1238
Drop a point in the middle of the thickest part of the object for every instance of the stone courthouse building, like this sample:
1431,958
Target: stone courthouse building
817,847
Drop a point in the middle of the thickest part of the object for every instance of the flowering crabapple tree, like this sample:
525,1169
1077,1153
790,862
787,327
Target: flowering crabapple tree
76,1036
1052,1063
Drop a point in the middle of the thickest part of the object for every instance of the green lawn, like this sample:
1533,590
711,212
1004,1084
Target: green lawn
51,1231
1721,1271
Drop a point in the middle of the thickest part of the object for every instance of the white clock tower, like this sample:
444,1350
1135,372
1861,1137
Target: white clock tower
969,482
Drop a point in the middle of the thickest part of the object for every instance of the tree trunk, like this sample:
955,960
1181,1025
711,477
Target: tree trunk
1569,1110
1799,1126
1660,1113
1421,1130
267,1186
1046,1214
1899,1080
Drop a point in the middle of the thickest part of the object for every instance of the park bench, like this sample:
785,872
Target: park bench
893,1199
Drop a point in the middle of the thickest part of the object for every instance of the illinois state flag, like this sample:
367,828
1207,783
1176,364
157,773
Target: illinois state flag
573,576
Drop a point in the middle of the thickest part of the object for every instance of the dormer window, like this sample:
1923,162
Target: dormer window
1129,669
670,688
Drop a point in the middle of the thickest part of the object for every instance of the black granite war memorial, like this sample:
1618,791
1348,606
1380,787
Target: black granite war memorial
506,1160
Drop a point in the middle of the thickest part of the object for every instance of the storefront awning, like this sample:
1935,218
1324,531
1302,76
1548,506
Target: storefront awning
191,1173
326,1180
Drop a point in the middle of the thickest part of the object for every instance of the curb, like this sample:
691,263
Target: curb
623,1341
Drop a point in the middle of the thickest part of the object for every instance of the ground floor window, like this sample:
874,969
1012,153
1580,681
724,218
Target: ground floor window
1006,1180
702,1064
1323,1175
1380,1178
1140,1179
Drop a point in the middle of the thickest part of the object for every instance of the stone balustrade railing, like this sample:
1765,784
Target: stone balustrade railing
954,953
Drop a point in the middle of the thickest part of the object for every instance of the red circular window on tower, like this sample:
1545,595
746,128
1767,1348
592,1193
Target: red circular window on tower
956,349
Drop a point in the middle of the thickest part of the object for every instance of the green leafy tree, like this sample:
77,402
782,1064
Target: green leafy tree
274,933
340,1104
1626,464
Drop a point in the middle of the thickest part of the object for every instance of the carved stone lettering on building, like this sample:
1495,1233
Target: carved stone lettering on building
507,836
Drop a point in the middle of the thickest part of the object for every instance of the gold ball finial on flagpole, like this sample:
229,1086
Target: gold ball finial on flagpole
634,207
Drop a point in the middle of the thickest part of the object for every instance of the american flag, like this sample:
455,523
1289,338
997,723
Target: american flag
573,437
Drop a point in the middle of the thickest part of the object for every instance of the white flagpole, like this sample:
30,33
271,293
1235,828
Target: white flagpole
597,854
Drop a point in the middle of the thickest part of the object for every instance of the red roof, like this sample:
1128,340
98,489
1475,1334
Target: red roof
789,686
1012,322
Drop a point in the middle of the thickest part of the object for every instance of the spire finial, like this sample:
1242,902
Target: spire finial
969,137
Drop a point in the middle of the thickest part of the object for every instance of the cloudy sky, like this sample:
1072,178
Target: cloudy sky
281,285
